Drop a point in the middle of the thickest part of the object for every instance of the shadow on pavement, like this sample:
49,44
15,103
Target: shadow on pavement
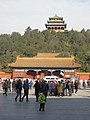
55,109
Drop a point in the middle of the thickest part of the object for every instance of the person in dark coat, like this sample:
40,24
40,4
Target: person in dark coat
26,90
37,90
9,85
69,88
14,85
18,90
44,88
76,86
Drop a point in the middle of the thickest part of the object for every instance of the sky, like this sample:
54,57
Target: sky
17,15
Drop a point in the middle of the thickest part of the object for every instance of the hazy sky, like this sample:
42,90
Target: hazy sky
17,15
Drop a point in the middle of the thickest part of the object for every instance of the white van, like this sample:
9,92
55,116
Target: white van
51,78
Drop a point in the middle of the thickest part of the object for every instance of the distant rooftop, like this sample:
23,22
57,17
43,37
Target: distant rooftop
46,55
56,23
56,16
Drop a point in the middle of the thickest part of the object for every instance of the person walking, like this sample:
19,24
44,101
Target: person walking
41,101
9,85
51,85
84,84
5,87
30,84
18,90
59,89
44,88
26,90
37,90
14,85
76,86
69,88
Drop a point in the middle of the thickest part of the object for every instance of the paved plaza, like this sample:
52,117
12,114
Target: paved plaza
76,107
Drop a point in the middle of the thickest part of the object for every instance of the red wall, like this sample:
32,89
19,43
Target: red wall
41,75
83,77
17,74
5,75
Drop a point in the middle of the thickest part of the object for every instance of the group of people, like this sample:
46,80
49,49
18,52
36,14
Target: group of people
63,88
6,85
42,89
86,84
19,90
41,92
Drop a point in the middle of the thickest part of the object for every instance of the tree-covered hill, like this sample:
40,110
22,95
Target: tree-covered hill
71,43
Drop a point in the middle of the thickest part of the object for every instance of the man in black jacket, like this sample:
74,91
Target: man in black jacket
37,90
18,90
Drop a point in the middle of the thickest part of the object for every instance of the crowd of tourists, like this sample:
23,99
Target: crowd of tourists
10,84
6,85
17,87
42,89
60,88
52,88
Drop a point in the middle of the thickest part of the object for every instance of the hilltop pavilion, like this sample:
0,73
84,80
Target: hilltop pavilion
56,23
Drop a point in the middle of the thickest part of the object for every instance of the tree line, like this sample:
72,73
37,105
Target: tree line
70,43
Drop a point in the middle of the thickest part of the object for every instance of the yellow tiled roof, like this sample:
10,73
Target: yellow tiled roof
46,55
83,73
44,63
2,72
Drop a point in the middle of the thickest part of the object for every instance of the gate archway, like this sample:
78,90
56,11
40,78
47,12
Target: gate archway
31,73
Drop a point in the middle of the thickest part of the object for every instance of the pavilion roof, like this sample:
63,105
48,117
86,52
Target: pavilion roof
46,55
56,16
52,62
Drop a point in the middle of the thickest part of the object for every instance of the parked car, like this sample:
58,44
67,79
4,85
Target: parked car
51,78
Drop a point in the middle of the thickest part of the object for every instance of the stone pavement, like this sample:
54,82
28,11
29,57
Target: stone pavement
76,107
